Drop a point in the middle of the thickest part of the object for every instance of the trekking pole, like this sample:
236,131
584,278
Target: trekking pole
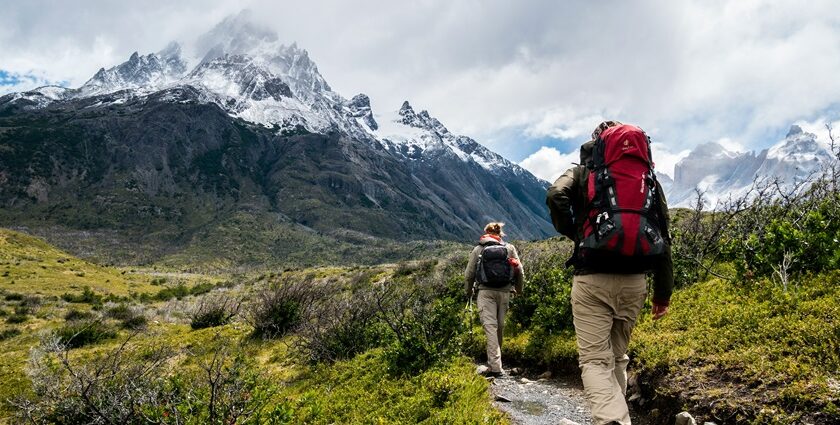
469,309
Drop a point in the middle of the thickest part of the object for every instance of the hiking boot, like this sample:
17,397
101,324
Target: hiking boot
492,374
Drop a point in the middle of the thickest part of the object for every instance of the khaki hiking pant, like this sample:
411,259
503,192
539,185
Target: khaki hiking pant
605,308
492,307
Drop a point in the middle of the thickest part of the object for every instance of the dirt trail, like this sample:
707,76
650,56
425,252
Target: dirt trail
544,401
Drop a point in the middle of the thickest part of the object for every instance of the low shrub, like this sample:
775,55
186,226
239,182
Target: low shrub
135,322
279,309
76,315
79,334
213,311
427,329
545,303
20,315
13,296
119,312
9,333
87,296
135,383
342,327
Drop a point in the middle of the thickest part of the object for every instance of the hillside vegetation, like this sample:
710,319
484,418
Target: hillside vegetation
752,336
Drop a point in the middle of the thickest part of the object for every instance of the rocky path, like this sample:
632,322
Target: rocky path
544,401
541,401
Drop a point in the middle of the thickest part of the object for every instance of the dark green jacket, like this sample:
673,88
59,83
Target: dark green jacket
565,201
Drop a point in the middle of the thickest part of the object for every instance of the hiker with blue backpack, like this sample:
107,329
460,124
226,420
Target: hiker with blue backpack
495,272
613,208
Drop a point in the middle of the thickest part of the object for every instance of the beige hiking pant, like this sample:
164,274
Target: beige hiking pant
605,308
492,307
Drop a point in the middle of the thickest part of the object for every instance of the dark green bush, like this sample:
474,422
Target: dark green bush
9,333
87,296
794,240
20,315
134,322
13,296
425,336
279,309
213,311
202,288
76,315
119,312
342,327
545,303
79,334
178,291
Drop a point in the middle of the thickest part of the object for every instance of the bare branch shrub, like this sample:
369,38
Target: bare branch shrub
109,389
283,306
214,310
142,383
341,327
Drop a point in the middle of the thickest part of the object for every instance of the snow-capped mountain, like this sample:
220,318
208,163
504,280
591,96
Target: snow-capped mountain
240,122
722,174
151,71
248,72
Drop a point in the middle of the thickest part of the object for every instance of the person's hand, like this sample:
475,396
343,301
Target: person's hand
658,311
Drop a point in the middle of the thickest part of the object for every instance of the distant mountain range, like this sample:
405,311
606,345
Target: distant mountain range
721,174
166,153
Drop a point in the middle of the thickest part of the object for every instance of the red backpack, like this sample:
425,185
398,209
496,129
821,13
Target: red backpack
621,210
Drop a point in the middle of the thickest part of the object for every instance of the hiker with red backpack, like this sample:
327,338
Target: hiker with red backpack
613,208
495,272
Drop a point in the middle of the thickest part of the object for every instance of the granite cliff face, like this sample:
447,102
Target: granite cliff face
166,154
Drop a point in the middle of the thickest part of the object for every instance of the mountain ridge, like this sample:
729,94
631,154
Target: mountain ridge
168,153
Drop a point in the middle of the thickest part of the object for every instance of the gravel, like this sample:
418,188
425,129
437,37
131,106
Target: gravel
541,401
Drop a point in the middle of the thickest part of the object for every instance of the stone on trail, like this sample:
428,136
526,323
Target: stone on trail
545,375
565,421
684,418
502,399
482,369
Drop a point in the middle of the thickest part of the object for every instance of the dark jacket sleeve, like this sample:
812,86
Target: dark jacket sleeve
469,273
663,273
559,200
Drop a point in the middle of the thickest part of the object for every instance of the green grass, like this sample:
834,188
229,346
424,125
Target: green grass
751,348
362,391
28,264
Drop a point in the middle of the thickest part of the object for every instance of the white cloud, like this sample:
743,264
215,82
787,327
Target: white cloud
664,159
818,127
695,71
548,163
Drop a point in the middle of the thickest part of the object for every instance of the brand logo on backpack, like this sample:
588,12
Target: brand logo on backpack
493,269
621,218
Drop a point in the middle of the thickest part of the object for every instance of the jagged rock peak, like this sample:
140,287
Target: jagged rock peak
422,120
794,130
138,72
360,100
359,107
406,109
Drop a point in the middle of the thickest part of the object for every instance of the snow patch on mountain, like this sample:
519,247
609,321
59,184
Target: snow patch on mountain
722,174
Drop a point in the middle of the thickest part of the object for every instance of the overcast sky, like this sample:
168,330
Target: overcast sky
529,79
